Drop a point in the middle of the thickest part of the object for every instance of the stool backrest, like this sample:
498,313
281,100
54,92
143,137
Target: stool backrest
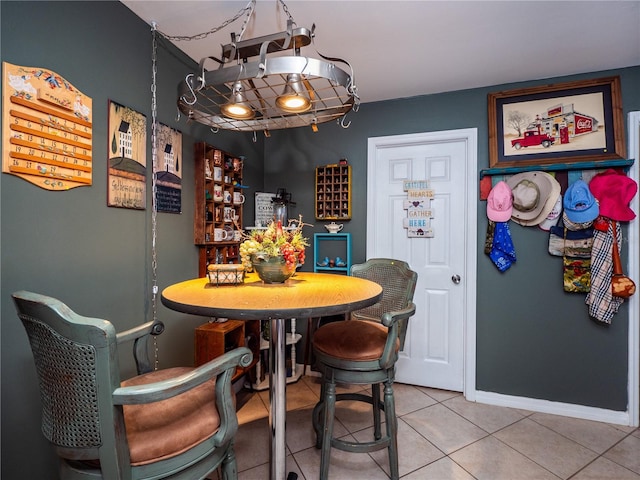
398,284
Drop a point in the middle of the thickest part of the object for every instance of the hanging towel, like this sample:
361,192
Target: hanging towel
488,241
602,304
503,253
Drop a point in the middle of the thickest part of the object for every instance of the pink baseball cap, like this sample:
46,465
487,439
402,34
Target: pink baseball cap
500,203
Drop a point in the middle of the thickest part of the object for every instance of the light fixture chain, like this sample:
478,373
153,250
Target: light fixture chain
247,18
154,207
180,38
285,8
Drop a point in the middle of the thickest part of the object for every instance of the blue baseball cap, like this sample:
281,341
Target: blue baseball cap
580,206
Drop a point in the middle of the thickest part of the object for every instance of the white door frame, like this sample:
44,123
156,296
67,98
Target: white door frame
470,137
634,272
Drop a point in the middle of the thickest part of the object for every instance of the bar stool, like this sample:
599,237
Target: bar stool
363,350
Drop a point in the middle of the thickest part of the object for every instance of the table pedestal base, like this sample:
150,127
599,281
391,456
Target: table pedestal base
277,398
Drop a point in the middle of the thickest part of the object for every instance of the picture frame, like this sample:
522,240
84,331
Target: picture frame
570,122
168,169
127,160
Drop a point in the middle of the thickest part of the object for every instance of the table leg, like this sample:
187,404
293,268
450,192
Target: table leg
277,398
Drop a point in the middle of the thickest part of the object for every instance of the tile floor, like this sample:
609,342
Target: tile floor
441,437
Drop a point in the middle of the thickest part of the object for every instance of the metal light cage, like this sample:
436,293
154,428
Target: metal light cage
331,90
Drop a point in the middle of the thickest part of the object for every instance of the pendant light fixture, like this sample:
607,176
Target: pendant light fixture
294,98
238,108
265,83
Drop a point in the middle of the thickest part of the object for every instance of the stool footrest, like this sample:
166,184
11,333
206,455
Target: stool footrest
359,397
360,447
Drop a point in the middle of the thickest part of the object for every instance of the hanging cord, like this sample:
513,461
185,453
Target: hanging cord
154,207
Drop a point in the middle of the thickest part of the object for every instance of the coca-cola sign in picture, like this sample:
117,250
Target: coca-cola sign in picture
551,125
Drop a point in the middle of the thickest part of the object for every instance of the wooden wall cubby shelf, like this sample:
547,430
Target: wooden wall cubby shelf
332,245
214,339
210,206
333,192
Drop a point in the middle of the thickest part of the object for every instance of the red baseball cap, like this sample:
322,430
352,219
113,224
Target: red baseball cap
614,192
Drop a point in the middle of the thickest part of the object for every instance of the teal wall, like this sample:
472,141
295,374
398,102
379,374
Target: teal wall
70,245
533,340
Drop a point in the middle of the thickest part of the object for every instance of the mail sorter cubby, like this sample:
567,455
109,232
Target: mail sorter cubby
333,192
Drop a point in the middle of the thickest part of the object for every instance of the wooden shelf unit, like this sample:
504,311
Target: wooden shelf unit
333,192
214,339
211,206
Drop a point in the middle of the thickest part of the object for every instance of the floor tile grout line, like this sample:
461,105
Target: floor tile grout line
626,434
525,414
629,434
511,447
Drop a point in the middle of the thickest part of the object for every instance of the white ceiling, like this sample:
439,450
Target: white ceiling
407,48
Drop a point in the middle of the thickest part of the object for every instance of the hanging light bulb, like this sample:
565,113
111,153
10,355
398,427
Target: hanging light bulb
294,98
238,108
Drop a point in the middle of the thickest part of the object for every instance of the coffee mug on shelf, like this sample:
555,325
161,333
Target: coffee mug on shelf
220,235
217,193
227,196
238,198
229,214
217,174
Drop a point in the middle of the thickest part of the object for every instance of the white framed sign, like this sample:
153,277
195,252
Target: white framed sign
264,209
419,211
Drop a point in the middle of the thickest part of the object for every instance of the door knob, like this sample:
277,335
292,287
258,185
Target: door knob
455,279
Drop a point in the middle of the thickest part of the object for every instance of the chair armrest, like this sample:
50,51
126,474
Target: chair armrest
153,392
390,318
140,345
397,330
149,328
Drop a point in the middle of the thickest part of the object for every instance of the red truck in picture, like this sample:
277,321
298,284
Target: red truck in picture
533,138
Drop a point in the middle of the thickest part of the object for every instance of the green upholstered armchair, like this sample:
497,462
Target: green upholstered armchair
364,350
177,423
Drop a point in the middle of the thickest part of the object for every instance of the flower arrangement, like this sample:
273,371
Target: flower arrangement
276,241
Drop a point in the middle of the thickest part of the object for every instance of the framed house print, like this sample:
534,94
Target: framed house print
168,170
556,124
127,176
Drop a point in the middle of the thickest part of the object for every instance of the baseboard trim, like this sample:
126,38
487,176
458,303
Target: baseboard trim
555,408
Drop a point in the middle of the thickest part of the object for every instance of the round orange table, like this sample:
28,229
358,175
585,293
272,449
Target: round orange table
302,296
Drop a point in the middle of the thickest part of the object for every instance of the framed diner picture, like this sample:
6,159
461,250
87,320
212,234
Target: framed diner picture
560,123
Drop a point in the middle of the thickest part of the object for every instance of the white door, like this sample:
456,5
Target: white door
435,350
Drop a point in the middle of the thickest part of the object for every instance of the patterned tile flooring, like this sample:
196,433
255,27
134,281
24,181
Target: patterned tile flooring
441,436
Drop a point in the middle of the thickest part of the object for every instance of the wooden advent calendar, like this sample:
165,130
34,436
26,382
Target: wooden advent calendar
46,129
